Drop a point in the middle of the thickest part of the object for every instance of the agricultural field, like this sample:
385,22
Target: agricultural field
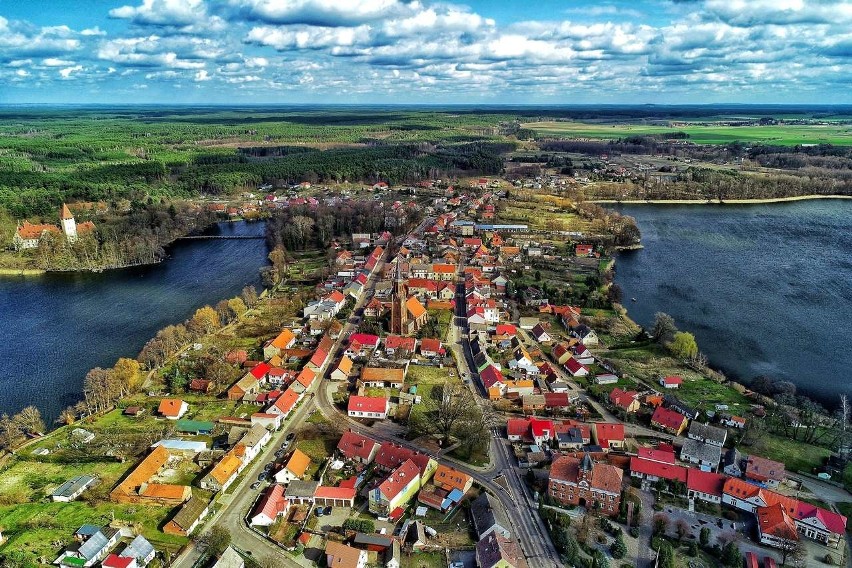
783,135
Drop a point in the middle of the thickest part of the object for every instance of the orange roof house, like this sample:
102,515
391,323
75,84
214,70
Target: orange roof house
415,308
138,488
448,478
285,340
343,370
296,467
172,408
382,377
223,473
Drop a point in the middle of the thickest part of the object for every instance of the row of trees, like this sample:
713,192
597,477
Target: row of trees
14,429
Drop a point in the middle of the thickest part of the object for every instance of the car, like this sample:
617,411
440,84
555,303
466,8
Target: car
268,466
255,485
290,437
327,510
262,476
279,454
284,445
319,512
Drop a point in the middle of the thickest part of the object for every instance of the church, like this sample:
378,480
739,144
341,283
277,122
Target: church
407,313
28,235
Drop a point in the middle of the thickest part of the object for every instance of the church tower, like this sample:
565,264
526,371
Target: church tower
69,226
399,296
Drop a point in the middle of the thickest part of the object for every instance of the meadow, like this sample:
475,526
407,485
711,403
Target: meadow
836,132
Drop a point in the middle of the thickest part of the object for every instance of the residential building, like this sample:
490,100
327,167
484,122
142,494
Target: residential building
72,488
708,434
705,456
374,407
357,447
295,468
669,420
272,505
764,471
489,516
625,400
339,555
397,489
172,408
496,551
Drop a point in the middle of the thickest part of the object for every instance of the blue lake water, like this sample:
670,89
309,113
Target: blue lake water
56,327
766,289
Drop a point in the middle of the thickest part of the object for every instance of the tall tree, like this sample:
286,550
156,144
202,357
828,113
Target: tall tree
249,296
29,419
205,320
128,374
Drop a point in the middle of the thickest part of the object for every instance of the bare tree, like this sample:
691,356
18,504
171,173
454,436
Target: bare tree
29,419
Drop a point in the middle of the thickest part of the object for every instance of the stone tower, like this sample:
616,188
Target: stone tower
399,296
69,226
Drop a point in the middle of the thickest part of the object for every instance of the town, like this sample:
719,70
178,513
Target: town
434,400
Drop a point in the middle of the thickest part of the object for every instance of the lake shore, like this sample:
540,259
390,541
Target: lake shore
716,201
21,271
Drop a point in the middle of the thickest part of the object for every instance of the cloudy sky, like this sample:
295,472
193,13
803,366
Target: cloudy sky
399,51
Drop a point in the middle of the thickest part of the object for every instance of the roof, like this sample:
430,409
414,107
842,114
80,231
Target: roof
506,329
193,426
668,418
430,344
284,339
517,427
29,231
353,444
273,502
299,488
673,380
622,398
708,433
229,559
607,432
658,455
495,548
287,400
380,374
541,428
96,543
325,492
144,471
339,555
373,539
556,399
449,478
307,376
190,512
762,469
364,339
115,561
701,450
490,376
390,456
345,365
487,511
226,468
73,486
603,476
400,342
65,213
260,370
415,307
573,365
139,547
656,469
170,406
298,463
166,491
399,479
375,404
775,521
705,482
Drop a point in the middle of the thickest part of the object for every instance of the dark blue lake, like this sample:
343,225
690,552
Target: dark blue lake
54,328
766,289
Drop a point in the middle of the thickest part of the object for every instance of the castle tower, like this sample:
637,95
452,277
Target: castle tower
69,226
399,311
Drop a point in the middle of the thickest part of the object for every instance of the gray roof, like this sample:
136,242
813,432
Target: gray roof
230,559
376,539
73,486
190,512
96,543
704,452
301,489
707,433
487,513
257,432
140,548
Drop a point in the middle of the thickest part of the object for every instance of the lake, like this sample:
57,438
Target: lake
54,328
766,289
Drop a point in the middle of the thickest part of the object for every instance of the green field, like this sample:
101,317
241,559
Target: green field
784,135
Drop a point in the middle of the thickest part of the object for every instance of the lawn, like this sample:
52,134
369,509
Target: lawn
786,135
796,456
424,560
425,374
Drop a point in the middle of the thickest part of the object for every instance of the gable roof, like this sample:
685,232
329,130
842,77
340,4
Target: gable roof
375,404
284,339
352,444
226,468
399,479
644,466
287,401
190,512
668,418
298,463
381,374
339,555
490,376
449,478
415,307
705,482
170,406
273,502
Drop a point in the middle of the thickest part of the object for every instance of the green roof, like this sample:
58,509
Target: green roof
194,426
73,561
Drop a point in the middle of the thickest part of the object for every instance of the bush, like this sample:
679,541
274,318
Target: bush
618,548
360,525
692,549
829,559
634,532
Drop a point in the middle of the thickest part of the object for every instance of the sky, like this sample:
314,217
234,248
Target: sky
401,51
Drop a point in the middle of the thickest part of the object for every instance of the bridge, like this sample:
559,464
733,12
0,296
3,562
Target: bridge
222,237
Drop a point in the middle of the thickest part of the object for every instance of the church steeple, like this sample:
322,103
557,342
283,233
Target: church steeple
399,311
69,225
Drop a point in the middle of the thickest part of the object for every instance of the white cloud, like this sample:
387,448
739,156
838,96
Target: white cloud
202,76
54,62
163,12
68,71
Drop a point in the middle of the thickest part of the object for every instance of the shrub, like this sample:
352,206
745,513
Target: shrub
360,525
634,532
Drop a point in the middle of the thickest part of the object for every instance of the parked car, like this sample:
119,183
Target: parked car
255,485
327,510
319,512
262,476
290,437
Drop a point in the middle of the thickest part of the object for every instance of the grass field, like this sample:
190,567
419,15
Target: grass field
785,135
796,456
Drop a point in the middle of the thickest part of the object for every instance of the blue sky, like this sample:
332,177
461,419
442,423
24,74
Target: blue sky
401,51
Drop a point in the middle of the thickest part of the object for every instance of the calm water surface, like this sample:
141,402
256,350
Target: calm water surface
53,329
766,289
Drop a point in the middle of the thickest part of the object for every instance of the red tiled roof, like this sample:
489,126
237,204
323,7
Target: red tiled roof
657,469
365,339
556,399
368,404
400,342
658,455
607,432
273,502
323,492
705,482
573,365
517,427
353,445
260,370
506,329
490,376
287,401
673,380
539,427
667,418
